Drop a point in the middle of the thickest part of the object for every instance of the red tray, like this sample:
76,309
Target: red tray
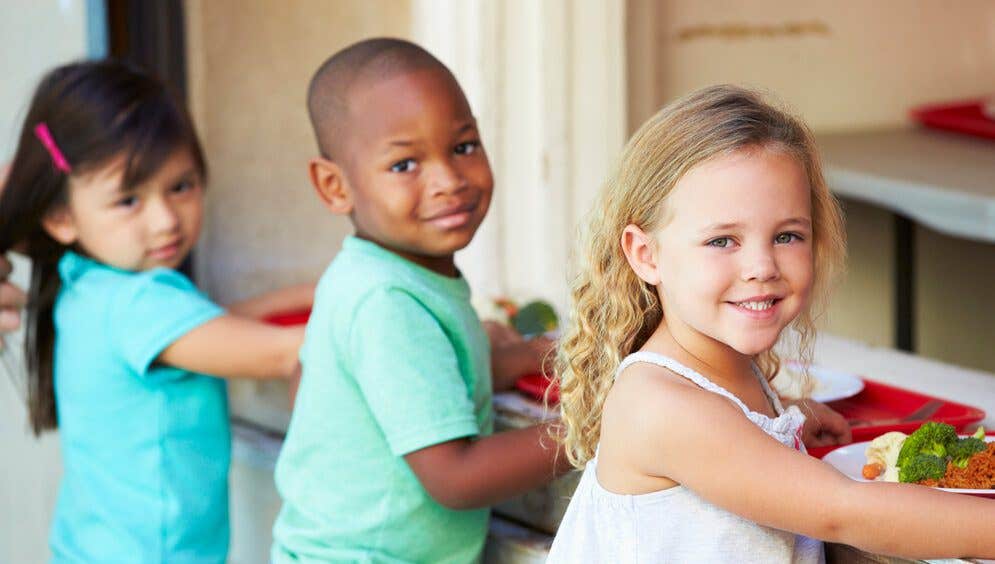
961,117
534,386
289,317
881,402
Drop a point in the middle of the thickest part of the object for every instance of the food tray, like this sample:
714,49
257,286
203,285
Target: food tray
884,403
289,318
961,117
534,386
880,405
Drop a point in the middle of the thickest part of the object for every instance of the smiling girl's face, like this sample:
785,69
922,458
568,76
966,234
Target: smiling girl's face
735,259
153,224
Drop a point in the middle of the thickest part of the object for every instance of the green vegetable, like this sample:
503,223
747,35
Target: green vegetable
922,467
979,433
931,438
535,318
961,451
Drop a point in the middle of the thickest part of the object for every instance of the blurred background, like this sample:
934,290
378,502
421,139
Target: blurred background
557,86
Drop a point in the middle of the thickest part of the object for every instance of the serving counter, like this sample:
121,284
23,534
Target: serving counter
523,528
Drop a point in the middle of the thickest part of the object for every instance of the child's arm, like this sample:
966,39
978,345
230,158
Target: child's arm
735,465
291,298
236,347
474,473
512,360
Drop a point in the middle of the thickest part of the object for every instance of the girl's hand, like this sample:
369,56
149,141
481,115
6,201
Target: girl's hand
823,425
12,299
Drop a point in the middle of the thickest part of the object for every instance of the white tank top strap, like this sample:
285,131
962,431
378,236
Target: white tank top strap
771,394
785,427
678,368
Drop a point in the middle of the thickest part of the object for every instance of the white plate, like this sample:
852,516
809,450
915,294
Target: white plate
830,385
850,460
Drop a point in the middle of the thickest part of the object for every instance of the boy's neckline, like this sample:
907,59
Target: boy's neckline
406,256
367,245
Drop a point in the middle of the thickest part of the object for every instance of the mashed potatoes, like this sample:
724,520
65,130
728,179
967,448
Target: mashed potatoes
884,452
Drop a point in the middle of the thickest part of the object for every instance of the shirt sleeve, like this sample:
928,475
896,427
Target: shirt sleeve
154,310
407,369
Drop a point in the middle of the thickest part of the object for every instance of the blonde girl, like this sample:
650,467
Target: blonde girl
716,234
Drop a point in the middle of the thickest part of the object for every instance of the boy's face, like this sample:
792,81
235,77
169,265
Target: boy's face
414,168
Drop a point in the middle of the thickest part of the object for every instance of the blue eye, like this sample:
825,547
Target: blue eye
785,238
407,165
720,242
467,148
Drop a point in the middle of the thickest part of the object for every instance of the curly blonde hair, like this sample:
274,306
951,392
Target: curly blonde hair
615,312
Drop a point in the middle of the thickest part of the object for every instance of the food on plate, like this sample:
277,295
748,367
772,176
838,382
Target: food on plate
933,456
882,456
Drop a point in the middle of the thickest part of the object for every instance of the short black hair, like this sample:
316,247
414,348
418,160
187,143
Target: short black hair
330,87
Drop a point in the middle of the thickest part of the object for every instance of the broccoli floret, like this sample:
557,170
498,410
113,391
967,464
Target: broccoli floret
961,451
931,438
922,467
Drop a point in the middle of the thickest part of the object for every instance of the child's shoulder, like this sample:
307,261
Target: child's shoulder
92,280
647,383
364,271
645,393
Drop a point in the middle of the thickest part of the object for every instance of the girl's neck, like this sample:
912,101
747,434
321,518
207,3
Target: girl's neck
714,359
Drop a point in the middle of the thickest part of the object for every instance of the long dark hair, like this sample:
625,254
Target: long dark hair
95,111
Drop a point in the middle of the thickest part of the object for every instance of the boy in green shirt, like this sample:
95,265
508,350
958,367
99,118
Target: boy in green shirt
389,455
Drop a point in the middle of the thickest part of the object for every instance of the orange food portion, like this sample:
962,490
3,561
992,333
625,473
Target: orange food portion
978,475
872,470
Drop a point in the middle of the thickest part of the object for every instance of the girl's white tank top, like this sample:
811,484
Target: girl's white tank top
676,525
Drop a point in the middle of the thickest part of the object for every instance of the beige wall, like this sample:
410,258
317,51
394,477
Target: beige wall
250,63
843,65
854,65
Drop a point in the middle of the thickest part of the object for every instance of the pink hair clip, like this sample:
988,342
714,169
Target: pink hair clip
58,159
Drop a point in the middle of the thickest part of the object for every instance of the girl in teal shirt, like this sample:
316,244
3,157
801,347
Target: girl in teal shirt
105,195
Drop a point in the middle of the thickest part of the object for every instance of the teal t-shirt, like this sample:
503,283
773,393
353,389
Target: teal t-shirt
394,360
145,447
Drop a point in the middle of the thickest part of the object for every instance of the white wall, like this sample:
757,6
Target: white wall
35,35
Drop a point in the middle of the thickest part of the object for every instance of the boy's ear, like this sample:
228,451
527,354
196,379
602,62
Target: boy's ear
60,225
640,250
330,184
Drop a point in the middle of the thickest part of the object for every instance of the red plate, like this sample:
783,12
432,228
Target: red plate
961,117
289,317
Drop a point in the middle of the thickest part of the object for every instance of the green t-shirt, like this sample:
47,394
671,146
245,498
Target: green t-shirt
394,360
